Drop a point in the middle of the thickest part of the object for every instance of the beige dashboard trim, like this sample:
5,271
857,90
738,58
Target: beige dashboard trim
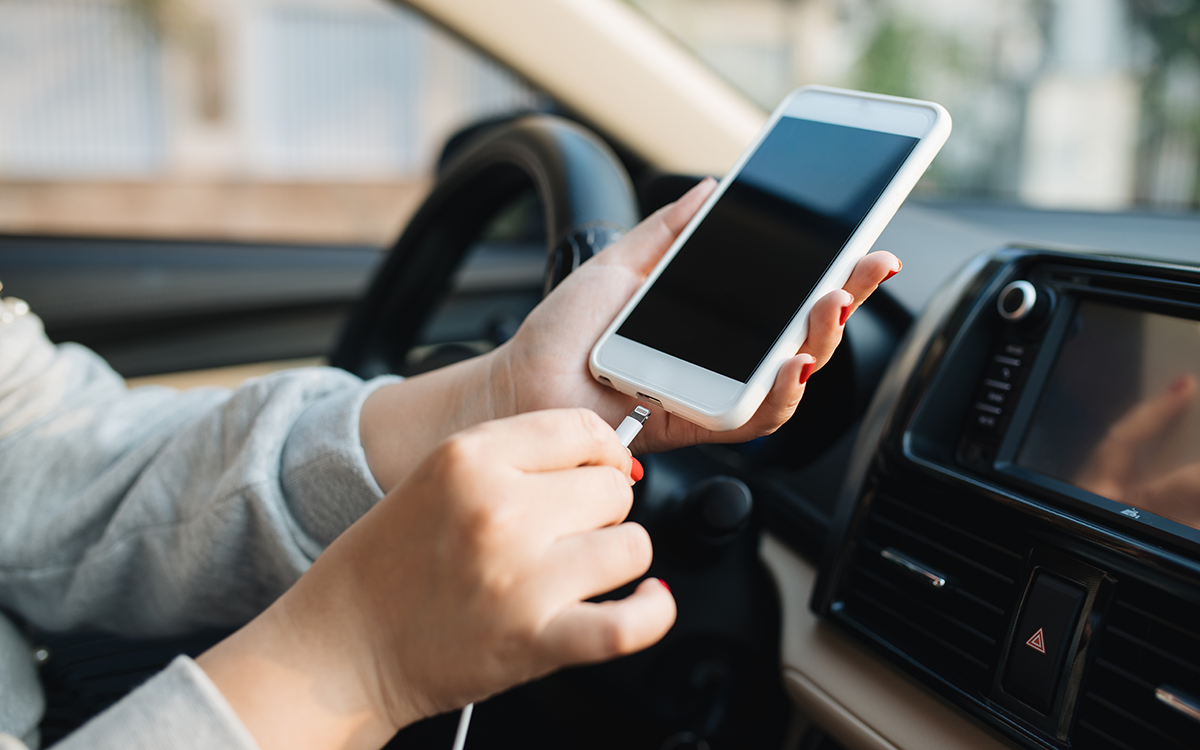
863,703
609,63
223,377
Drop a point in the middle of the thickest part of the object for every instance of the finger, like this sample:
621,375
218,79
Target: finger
779,405
825,325
546,441
1151,417
869,273
644,246
575,500
1176,496
1115,458
588,632
595,562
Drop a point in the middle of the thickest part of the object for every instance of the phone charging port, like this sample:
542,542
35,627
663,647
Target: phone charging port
651,399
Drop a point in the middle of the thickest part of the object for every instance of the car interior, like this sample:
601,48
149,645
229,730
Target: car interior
954,543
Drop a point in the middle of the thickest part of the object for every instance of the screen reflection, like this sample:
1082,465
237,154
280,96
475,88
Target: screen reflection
1119,416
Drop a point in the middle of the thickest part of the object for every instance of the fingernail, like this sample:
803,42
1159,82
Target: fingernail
664,583
845,314
1179,384
637,472
890,275
807,371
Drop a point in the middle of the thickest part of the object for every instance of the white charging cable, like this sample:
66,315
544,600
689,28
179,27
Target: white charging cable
464,723
626,431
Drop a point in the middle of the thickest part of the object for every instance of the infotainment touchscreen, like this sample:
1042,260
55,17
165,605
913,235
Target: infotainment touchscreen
1119,415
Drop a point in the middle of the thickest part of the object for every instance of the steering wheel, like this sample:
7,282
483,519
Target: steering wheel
587,200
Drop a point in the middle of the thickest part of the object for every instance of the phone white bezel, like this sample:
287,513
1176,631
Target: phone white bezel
721,403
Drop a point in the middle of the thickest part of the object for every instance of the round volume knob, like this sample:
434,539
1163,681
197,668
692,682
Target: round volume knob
721,507
1017,301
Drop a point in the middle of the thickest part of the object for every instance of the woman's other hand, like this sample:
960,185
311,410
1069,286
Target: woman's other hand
470,577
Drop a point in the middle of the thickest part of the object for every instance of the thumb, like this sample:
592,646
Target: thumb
642,248
589,632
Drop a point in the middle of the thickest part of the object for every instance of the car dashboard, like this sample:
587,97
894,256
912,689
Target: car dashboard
973,548
878,458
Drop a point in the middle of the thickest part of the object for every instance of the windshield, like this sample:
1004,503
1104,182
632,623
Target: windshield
1091,104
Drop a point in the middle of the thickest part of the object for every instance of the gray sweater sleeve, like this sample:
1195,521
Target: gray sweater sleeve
177,708
150,511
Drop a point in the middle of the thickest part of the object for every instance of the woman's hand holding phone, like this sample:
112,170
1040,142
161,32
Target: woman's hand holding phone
545,364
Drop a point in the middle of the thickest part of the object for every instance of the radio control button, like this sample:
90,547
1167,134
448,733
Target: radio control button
988,422
996,398
1003,372
1042,639
1017,300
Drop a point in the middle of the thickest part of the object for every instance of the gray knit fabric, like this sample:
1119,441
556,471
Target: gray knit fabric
179,703
21,702
155,512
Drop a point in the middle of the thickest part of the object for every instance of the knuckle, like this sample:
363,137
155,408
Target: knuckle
459,451
636,545
618,484
488,524
497,584
593,427
619,636
613,639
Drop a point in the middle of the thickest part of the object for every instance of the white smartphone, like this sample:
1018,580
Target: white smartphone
728,304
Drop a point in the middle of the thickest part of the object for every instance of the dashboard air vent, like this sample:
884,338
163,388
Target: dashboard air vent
936,579
1150,641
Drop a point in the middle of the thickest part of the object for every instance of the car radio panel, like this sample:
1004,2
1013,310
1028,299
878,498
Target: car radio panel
1098,403
1041,459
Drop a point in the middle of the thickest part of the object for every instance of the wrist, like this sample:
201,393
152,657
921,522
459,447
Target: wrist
401,423
501,383
291,689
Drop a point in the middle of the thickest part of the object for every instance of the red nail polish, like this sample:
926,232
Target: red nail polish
664,583
807,371
890,275
637,472
845,315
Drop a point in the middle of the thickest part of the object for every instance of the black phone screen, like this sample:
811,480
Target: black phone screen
749,266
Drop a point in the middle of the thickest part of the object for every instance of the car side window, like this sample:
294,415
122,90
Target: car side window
262,120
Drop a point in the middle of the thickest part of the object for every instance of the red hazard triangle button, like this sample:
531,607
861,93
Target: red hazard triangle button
1037,641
